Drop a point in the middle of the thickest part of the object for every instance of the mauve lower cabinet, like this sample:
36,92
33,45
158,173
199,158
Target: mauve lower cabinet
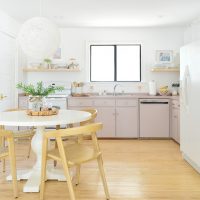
126,118
175,121
119,116
105,108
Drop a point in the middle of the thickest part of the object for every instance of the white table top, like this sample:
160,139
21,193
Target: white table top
20,118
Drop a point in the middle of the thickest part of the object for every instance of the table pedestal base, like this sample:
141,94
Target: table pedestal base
34,176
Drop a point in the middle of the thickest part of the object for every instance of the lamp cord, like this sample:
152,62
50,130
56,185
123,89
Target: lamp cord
40,8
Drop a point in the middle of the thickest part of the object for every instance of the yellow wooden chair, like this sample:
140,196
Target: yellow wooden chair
93,112
23,134
92,118
73,154
9,152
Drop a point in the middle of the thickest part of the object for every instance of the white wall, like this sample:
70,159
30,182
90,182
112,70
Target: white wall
8,25
192,32
75,40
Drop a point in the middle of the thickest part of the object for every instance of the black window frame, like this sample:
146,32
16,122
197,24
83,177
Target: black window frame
115,60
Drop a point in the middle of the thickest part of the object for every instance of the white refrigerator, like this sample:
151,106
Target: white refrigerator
190,103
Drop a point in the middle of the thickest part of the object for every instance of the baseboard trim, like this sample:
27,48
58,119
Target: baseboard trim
191,162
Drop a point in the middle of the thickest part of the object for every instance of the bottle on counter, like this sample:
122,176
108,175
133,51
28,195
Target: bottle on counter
152,88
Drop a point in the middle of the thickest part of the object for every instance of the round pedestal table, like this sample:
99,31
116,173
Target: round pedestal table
20,118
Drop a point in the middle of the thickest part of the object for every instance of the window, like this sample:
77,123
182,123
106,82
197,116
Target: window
115,63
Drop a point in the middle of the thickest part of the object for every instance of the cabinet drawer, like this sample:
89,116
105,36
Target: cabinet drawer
126,102
80,102
104,102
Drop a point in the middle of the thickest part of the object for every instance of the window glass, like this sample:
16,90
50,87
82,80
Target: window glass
115,63
128,63
102,63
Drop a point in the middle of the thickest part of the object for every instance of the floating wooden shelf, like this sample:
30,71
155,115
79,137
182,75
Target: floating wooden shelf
50,70
165,69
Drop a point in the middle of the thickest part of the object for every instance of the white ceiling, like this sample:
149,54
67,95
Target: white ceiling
107,13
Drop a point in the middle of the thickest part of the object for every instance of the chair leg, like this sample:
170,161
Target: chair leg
4,164
3,160
66,168
29,148
78,170
43,171
56,146
55,161
103,177
69,182
13,166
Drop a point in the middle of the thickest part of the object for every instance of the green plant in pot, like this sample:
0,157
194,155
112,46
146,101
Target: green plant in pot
48,61
38,92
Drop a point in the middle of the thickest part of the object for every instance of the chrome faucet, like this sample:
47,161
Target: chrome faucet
114,89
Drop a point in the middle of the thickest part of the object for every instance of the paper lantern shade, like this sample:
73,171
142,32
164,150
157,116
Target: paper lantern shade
39,38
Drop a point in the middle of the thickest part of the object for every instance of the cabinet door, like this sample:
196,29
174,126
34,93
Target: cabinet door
178,132
106,115
175,124
127,122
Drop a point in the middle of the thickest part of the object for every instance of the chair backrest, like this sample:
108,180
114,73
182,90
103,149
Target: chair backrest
93,112
1,136
4,135
90,129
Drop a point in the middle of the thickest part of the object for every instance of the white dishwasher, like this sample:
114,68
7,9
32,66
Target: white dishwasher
154,118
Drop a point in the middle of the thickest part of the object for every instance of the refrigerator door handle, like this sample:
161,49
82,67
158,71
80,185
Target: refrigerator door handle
185,88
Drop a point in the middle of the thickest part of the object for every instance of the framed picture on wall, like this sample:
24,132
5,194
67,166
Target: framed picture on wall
164,56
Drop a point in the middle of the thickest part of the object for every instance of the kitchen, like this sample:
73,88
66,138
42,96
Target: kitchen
140,117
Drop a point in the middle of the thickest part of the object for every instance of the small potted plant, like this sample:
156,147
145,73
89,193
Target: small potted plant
38,93
47,63
175,87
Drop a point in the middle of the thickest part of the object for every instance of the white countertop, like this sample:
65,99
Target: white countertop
129,95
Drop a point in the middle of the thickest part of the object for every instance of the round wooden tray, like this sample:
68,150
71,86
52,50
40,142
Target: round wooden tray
80,95
42,113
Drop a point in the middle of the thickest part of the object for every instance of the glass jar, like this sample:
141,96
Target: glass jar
36,103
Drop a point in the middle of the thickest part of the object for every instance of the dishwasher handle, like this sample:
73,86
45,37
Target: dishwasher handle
154,102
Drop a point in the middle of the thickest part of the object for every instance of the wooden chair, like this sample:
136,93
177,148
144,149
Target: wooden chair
73,154
23,134
92,118
79,138
9,152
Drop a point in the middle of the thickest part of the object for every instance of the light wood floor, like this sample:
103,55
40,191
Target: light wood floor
135,169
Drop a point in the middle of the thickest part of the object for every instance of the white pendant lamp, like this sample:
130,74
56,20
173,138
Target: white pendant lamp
39,38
